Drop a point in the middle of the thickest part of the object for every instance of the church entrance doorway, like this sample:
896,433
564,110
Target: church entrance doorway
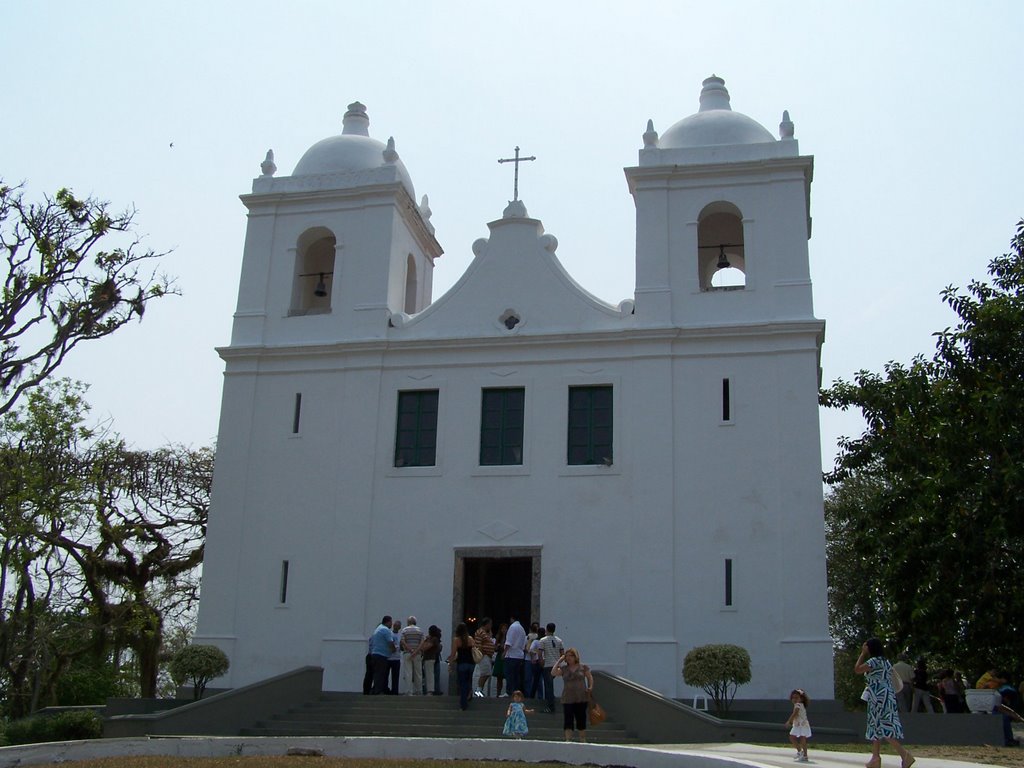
496,582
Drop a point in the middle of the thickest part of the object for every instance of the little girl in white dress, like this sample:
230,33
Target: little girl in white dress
800,730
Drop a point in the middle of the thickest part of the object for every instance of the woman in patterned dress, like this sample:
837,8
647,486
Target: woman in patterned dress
883,711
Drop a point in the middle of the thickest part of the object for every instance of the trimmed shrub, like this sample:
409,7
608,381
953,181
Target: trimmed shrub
73,725
200,664
719,670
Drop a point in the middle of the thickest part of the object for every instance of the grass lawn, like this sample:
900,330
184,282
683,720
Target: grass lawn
279,761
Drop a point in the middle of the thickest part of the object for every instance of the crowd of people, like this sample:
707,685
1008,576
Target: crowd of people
508,662
945,691
403,657
524,666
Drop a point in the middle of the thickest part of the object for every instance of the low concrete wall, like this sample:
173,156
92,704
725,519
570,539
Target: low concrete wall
224,714
952,729
918,728
657,720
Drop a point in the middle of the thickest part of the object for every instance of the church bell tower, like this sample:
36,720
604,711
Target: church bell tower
722,220
337,247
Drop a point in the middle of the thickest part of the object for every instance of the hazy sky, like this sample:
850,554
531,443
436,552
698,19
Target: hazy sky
912,110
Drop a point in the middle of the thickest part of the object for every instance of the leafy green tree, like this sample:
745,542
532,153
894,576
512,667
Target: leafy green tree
857,607
99,544
88,673
718,669
932,492
72,271
848,684
39,491
145,538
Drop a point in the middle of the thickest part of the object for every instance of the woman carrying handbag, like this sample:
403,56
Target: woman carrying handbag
577,689
883,712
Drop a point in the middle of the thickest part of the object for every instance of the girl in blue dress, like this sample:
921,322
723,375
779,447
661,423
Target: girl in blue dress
883,711
515,717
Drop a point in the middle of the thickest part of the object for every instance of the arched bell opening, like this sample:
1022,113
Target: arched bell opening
313,281
721,259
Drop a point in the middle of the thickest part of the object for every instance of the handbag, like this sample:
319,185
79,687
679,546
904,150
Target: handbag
897,681
595,712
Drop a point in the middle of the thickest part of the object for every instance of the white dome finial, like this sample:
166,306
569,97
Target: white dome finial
714,94
390,155
786,126
650,135
268,166
356,120
426,213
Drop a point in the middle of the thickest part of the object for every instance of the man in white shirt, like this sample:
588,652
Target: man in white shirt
515,656
906,673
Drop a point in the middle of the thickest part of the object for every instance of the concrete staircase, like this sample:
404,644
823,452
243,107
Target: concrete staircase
352,714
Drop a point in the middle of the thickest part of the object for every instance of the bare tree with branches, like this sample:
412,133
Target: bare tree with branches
63,282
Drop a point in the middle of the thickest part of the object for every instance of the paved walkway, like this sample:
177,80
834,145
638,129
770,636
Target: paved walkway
660,756
751,755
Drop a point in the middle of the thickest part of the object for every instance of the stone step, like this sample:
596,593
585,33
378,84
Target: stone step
481,718
414,707
362,720
352,714
594,735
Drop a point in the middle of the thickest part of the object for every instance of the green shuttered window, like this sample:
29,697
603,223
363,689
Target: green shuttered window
590,425
416,433
501,426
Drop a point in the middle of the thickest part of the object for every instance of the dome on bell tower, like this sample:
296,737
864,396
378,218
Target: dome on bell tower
353,151
715,123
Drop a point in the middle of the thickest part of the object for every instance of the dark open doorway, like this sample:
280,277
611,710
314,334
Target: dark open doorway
498,583
498,588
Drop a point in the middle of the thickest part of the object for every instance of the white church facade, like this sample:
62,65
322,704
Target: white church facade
646,475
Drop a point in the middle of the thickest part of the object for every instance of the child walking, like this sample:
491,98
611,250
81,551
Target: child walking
515,717
800,727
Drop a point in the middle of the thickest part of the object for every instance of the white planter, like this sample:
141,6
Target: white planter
982,700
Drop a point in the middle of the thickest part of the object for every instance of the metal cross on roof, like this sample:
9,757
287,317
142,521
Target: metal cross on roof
517,160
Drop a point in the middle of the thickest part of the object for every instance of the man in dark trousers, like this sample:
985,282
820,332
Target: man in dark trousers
551,649
382,645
